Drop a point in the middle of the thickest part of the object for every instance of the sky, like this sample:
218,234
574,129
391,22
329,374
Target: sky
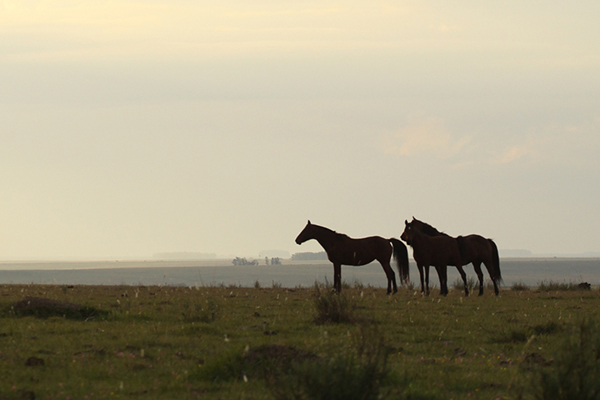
130,128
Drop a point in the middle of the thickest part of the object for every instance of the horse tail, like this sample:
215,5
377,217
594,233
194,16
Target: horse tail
496,261
401,257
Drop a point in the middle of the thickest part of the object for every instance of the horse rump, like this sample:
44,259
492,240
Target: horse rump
401,257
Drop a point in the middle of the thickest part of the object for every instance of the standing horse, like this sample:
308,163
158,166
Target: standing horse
474,249
438,252
343,250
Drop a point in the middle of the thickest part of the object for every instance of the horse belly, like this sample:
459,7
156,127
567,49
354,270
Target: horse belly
439,256
356,258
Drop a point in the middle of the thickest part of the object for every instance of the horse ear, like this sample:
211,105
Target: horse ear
405,222
308,222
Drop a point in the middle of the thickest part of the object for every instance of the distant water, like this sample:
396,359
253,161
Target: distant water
530,271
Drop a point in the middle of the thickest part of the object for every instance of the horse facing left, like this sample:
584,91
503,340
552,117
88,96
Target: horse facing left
343,250
435,251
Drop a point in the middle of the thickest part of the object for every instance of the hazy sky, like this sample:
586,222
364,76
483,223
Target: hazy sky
129,128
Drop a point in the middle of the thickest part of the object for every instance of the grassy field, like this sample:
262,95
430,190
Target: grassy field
275,343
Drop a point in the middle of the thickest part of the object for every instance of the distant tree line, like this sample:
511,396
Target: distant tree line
243,261
309,256
274,261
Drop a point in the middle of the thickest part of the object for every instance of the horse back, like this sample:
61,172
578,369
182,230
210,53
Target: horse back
361,251
476,248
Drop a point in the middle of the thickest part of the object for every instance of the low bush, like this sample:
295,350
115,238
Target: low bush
206,311
39,307
575,372
332,307
550,286
519,287
264,362
360,373
460,285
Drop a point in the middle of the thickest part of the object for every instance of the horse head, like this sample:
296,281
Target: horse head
408,233
306,234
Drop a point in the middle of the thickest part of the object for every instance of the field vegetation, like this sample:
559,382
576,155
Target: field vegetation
96,342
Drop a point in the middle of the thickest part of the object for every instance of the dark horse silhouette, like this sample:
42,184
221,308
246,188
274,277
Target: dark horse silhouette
343,250
474,249
438,252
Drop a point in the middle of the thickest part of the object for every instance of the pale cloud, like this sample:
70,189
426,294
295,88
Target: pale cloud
426,136
514,153
573,145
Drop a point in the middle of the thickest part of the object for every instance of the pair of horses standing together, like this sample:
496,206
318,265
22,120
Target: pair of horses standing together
430,248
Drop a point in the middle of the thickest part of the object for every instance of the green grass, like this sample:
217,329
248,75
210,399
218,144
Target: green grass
268,343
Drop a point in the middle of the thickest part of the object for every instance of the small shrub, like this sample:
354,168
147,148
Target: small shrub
525,334
575,372
357,374
551,286
225,368
519,287
547,328
45,308
513,336
264,362
201,312
460,285
358,284
332,307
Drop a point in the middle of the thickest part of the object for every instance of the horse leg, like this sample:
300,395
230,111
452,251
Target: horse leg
442,274
477,266
420,267
337,277
461,271
427,280
489,267
391,277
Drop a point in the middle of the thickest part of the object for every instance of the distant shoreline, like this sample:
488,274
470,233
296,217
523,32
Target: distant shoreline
529,271
10,265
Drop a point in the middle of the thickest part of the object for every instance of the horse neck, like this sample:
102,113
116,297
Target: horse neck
324,236
430,230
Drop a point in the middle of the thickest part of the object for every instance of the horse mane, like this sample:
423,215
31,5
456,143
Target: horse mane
428,229
331,231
